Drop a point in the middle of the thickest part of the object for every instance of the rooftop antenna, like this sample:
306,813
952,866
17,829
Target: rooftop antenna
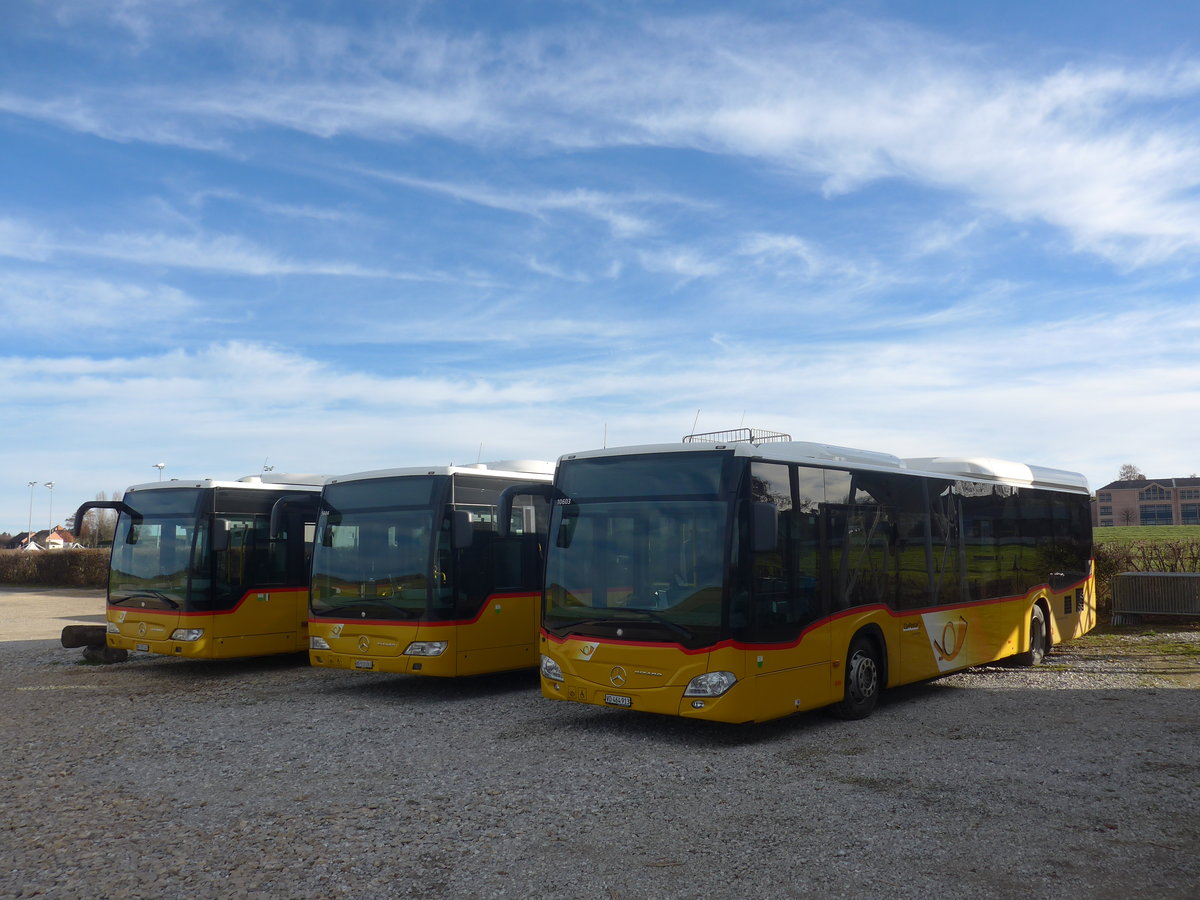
694,421
479,456
604,446
267,468
742,421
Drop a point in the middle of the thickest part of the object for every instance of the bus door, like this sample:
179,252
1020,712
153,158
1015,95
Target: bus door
248,571
788,592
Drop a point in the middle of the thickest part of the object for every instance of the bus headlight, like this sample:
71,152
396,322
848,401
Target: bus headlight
551,669
112,628
710,684
318,643
426,648
187,634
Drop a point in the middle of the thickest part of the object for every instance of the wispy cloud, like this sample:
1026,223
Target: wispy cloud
302,211
207,252
1086,147
79,307
686,262
902,387
611,209
384,237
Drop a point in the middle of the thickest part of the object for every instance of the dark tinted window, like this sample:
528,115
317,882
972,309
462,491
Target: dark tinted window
415,490
786,578
659,475
165,502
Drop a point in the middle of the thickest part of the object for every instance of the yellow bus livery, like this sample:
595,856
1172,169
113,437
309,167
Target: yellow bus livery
212,569
410,574
740,580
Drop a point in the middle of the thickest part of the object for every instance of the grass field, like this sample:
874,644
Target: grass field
1155,533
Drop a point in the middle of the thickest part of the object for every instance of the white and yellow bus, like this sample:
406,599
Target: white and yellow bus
212,569
739,580
410,574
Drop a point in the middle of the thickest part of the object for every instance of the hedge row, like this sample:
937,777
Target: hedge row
55,568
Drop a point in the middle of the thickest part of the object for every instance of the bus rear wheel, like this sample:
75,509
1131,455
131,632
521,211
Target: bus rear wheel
1039,639
862,681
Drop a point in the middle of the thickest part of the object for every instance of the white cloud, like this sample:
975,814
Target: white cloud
70,307
220,410
1085,147
611,209
783,248
304,211
687,262
20,240
107,117
201,251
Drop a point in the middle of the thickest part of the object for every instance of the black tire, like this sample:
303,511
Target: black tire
863,680
105,655
1039,639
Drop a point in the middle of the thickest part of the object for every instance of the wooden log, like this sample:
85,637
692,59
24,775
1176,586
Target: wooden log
84,636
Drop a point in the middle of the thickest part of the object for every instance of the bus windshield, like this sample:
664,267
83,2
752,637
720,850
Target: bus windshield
374,548
647,569
153,559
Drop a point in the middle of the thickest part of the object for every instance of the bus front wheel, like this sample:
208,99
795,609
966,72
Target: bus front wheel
862,681
1039,640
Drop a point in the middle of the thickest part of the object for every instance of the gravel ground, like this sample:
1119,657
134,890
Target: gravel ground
265,778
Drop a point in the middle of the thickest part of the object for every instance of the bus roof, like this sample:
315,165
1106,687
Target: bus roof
268,481
983,469
524,469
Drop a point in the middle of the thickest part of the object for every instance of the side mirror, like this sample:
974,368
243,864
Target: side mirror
504,506
220,535
460,525
120,506
306,503
766,527
566,526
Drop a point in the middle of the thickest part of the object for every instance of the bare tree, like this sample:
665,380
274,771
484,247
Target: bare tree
97,526
1130,472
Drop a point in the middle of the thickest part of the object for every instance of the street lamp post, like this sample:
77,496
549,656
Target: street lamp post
160,466
29,527
50,485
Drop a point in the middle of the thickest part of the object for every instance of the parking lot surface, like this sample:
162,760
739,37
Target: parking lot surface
166,777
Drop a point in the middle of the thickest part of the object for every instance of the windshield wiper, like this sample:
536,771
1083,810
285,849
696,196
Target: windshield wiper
152,595
405,612
662,620
653,616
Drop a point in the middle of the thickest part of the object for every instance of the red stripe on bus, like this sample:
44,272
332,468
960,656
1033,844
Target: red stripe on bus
211,612
788,645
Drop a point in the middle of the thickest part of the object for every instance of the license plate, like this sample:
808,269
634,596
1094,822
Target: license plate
364,664
618,700
145,647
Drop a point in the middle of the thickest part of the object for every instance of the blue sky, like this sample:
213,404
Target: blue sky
335,237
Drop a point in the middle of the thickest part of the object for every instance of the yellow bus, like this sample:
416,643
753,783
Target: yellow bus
212,569
410,574
743,576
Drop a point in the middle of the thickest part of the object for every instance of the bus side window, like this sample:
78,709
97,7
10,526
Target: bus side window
232,563
786,578
517,558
